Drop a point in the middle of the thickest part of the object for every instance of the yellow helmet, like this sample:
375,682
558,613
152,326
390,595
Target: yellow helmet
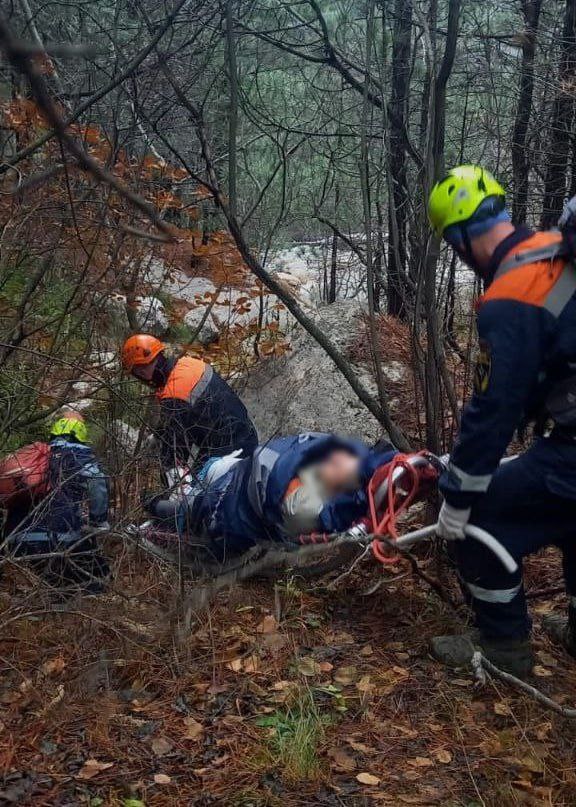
72,425
456,198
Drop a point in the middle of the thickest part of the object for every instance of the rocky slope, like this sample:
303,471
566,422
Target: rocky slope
304,390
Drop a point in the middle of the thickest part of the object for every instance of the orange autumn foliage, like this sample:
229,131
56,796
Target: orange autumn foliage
94,232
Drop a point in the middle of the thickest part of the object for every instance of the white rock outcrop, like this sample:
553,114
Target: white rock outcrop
205,328
150,315
304,391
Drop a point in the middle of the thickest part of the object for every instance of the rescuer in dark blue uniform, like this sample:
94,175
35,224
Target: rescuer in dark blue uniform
62,527
526,371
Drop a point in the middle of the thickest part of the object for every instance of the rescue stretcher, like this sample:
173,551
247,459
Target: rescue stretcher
408,478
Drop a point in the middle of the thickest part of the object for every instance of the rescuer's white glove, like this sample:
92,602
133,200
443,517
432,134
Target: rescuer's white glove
452,522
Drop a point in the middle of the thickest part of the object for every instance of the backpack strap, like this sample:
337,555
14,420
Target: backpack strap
562,291
548,253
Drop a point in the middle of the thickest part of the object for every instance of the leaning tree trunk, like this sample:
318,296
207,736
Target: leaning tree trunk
399,200
520,158
560,131
332,281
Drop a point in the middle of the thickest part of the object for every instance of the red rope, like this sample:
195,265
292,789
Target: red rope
384,521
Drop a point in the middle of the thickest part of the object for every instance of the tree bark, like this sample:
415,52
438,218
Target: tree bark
520,159
367,212
560,131
435,369
232,69
399,201
331,297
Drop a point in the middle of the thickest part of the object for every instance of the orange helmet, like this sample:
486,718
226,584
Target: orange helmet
139,350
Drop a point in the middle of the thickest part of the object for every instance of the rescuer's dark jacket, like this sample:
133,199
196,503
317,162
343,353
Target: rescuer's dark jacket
527,333
199,409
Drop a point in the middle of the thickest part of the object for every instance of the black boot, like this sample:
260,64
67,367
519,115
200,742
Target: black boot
562,629
513,656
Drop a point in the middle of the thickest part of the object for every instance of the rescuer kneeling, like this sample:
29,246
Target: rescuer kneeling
199,410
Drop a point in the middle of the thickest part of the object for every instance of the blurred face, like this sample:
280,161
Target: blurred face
144,372
339,472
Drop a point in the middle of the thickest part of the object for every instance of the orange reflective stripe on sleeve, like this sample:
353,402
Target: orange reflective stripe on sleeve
184,379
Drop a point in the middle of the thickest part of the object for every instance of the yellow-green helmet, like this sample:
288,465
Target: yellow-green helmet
458,196
70,426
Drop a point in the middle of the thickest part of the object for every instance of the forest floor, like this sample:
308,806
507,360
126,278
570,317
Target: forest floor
278,695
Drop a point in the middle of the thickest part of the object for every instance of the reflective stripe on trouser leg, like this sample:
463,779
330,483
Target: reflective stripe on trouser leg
500,614
498,595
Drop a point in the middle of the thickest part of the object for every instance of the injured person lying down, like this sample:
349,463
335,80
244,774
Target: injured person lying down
290,486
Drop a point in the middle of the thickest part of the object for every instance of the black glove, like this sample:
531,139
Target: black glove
149,501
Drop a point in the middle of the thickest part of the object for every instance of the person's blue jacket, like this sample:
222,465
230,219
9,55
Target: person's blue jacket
527,333
244,506
77,483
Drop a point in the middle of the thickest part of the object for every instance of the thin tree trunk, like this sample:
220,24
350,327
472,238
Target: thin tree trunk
560,132
379,268
399,200
334,250
232,69
520,159
366,209
52,76
435,368
333,268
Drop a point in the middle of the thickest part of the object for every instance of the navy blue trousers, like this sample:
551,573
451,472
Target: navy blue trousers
530,504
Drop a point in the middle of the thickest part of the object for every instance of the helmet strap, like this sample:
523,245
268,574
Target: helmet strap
458,237
467,252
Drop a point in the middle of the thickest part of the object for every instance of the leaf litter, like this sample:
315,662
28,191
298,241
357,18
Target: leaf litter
357,710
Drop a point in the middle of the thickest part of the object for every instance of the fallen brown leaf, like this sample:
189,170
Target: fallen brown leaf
542,672
53,666
252,664
368,779
528,762
217,689
268,625
342,760
193,728
308,666
361,747
547,659
161,746
92,768
420,762
346,675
